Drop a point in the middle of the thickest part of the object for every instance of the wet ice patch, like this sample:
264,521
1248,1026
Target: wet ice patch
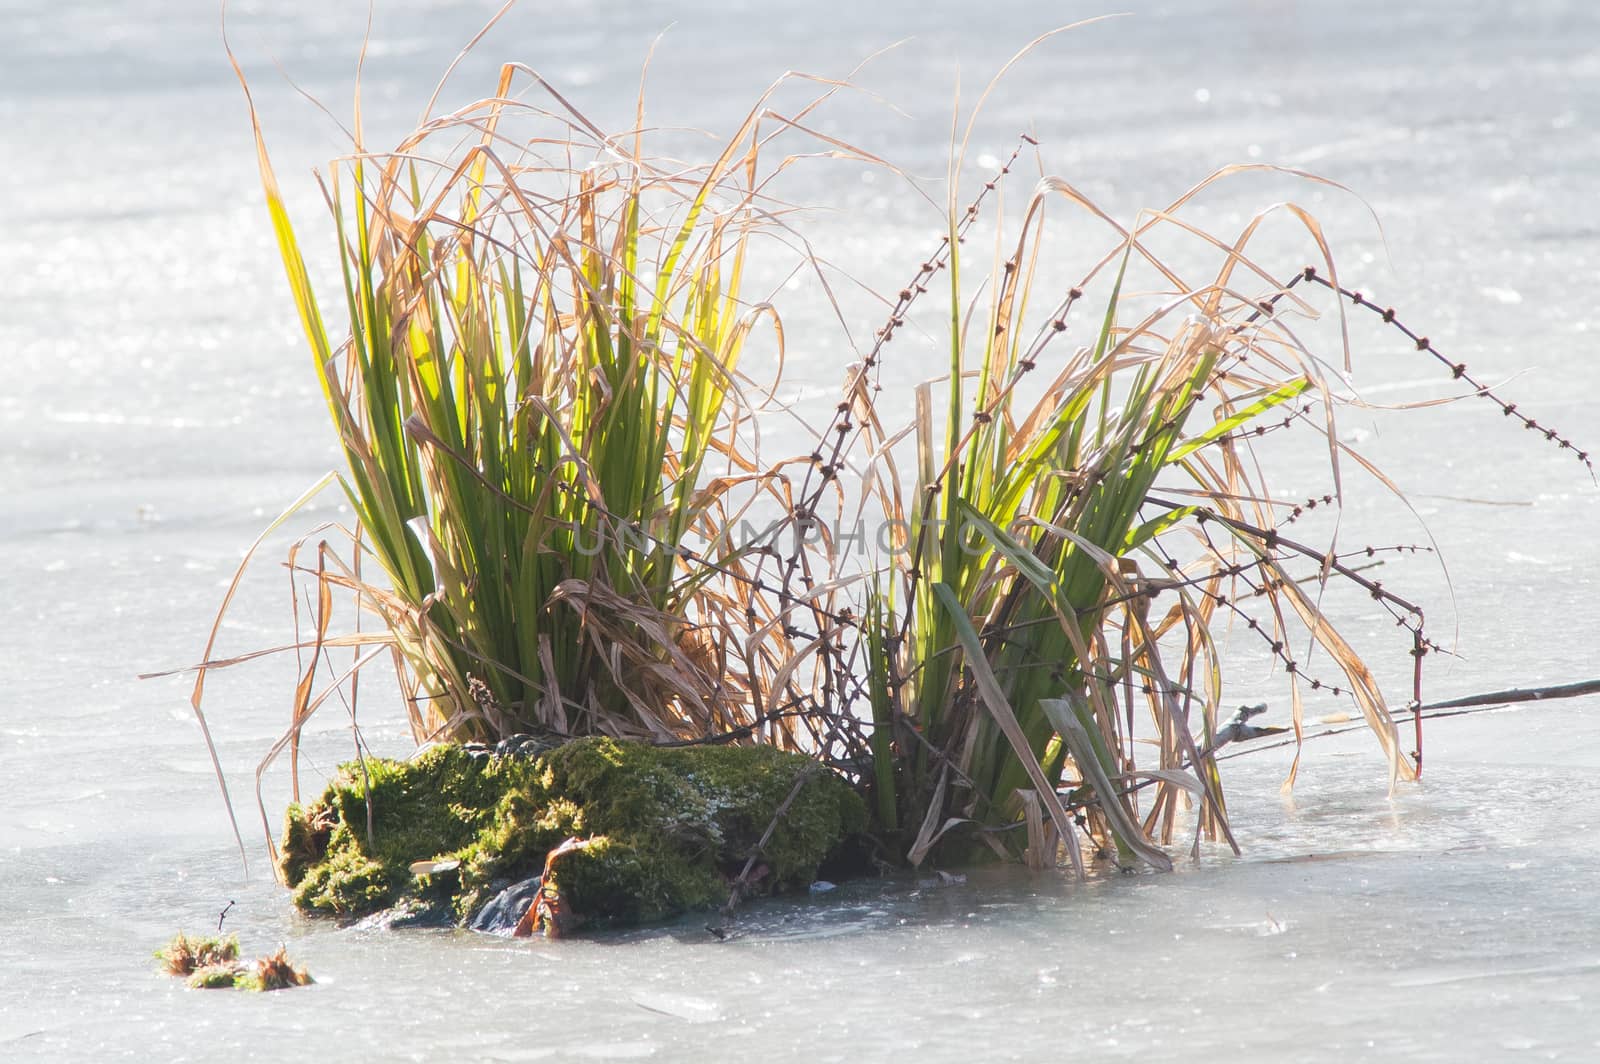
613,1051
1508,296
680,1006
1516,557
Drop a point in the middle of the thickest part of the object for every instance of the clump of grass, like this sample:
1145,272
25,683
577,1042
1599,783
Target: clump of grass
1014,640
1047,593
184,955
1025,641
532,385
539,399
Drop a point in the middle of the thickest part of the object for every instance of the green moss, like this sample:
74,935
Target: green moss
349,882
618,882
707,803
435,806
304,841
215,977
663,829
184,955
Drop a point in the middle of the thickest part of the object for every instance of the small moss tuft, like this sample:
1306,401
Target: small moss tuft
185,955
272,972
215,977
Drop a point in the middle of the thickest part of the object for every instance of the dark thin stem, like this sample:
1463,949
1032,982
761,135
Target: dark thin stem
1521,694
743,879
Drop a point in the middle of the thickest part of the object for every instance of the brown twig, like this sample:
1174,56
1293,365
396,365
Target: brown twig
743,879
1520,694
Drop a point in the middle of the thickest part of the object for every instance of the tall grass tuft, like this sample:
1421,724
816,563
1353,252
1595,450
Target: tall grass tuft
538,400
1037,607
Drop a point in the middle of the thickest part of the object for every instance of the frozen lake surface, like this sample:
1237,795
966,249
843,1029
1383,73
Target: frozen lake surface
160,409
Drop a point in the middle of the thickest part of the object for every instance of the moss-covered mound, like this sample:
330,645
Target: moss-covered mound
663,830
